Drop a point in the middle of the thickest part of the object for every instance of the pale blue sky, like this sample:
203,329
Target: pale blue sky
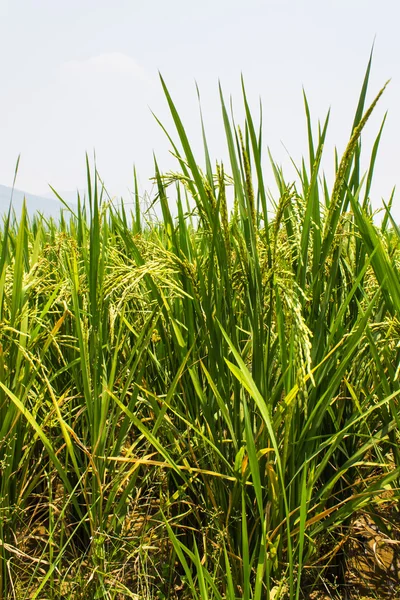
79,75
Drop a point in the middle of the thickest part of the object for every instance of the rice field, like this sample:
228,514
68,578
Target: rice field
205,404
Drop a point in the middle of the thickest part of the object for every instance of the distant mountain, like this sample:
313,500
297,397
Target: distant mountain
49,207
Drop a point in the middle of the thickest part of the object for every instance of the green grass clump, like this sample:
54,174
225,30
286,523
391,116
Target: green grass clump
199,406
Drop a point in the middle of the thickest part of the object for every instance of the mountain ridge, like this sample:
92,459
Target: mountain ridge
47,206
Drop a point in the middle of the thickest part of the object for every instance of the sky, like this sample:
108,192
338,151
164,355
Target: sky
82,76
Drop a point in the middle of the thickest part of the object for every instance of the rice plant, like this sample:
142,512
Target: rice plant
204,404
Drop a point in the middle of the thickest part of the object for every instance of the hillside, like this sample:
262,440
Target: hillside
49,207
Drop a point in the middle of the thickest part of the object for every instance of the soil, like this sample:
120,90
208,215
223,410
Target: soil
371,558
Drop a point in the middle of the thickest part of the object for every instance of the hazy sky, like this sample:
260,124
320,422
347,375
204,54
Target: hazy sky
78,75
